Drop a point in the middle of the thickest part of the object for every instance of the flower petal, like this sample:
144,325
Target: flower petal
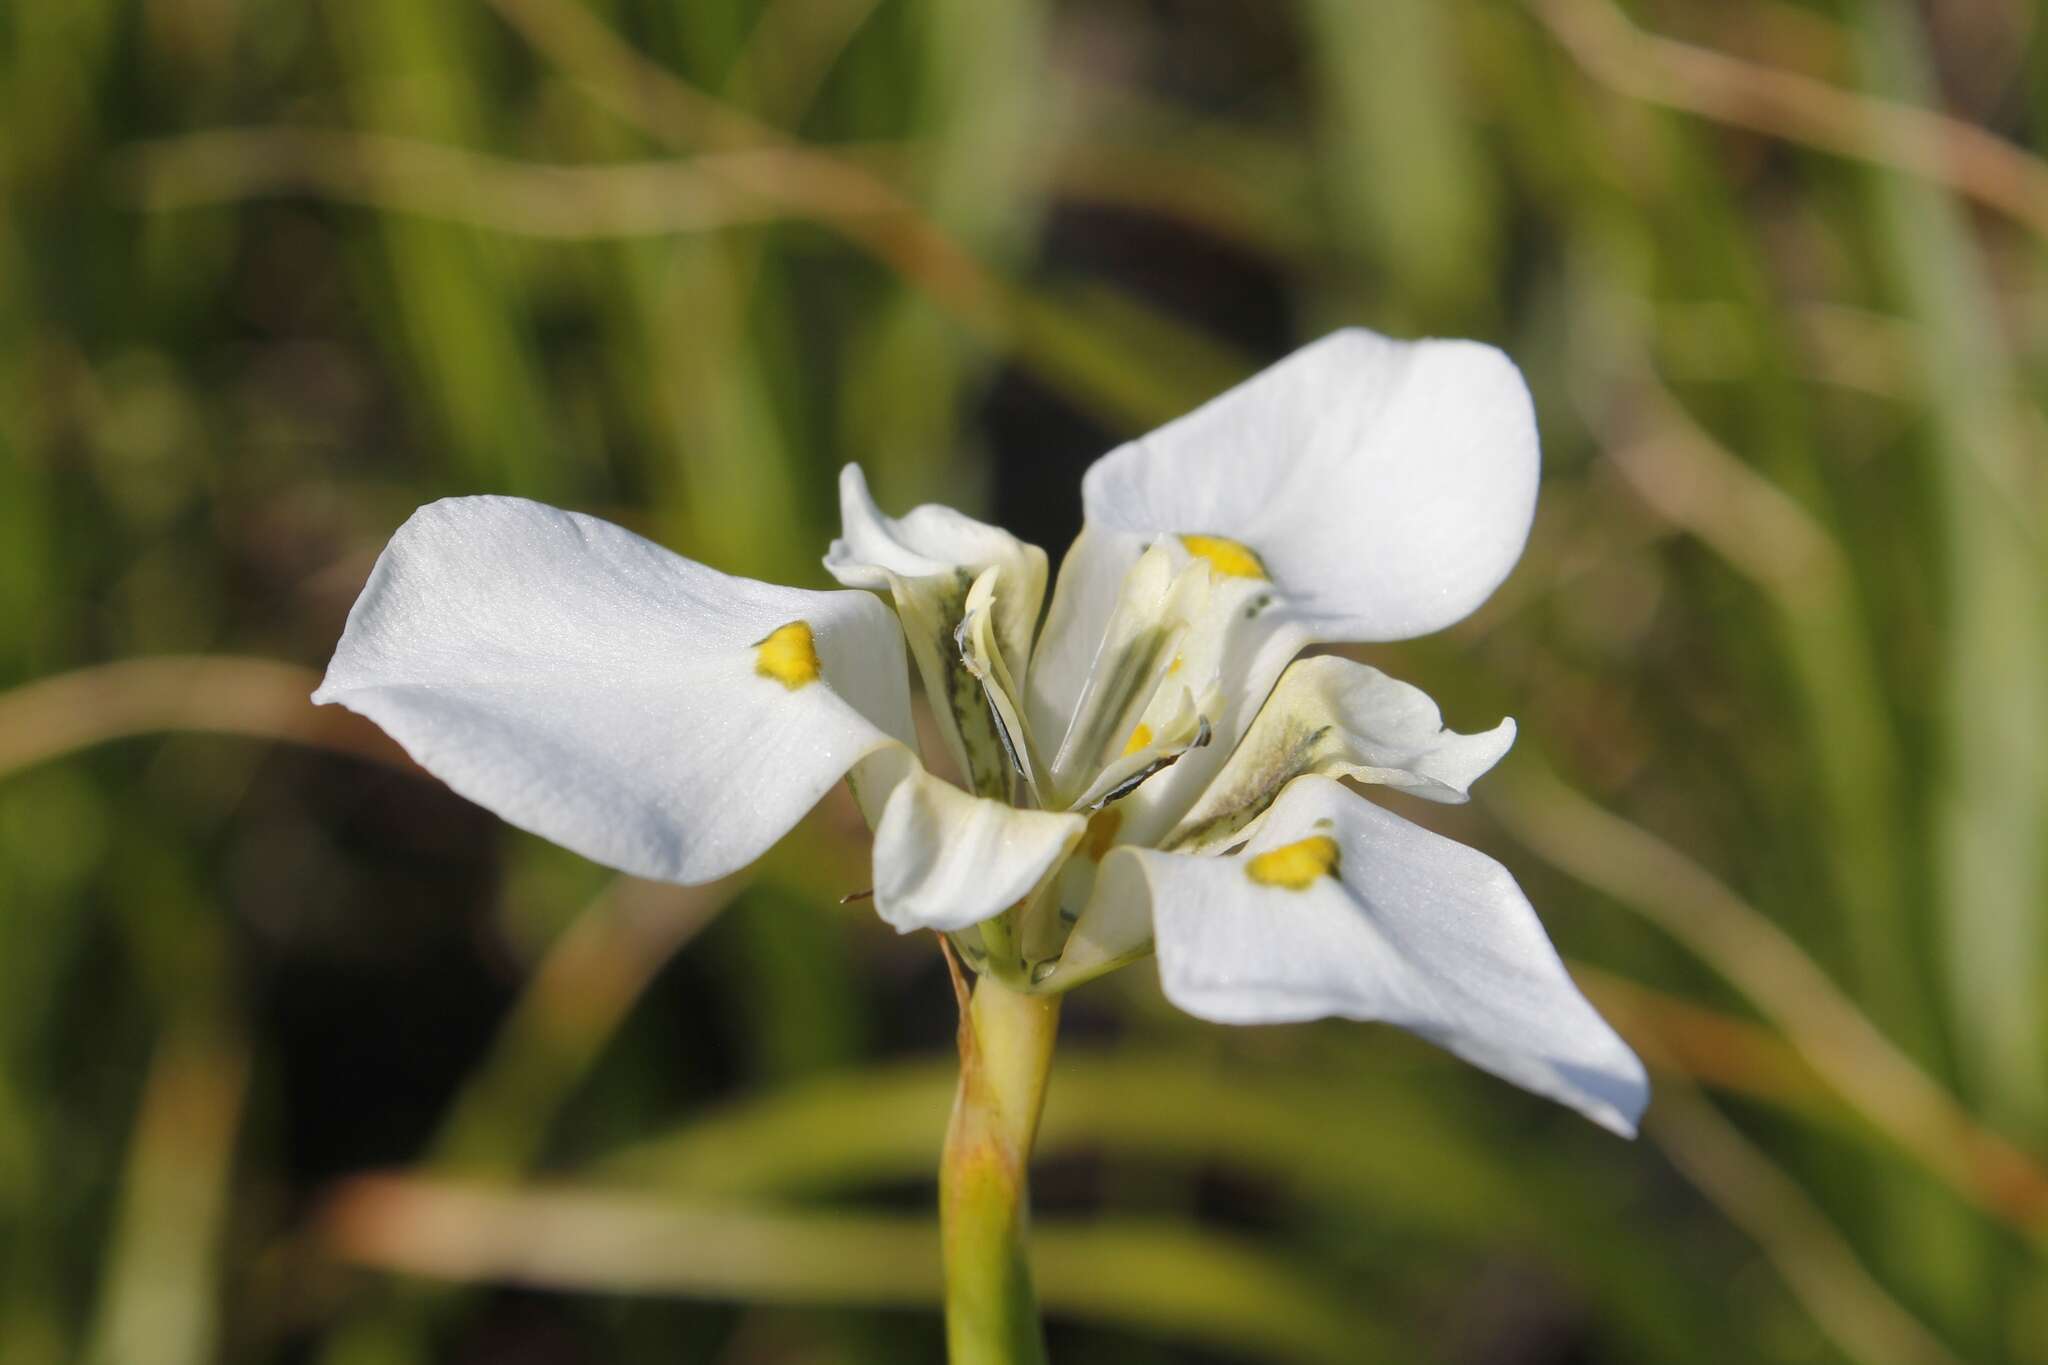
1340,718
1236,642
1385,486
1187,654
648,712
927,560
982,657
1340,908
945,859
1156,602
1090,585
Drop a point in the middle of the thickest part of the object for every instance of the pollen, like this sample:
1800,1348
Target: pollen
1140,738
1295,866
789,655
1226,557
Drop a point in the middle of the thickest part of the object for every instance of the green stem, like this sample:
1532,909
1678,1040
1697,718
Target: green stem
1006,1041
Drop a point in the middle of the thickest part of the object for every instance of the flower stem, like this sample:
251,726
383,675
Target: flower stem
1006,1041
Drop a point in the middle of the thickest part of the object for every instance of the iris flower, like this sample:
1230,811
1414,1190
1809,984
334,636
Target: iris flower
1154,771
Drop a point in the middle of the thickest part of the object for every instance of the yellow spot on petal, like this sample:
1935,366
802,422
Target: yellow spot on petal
1101,833
1226,557
788,655
1174,667
1295,865
1140,738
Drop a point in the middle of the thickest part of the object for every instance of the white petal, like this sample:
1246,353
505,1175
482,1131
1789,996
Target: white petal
982,656
1388,486
1158,601
598,690
1170,732
945,859
1340,718
927,560
1237,642
1407,927
1091,579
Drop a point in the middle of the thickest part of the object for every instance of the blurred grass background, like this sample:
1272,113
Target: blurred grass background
303,1059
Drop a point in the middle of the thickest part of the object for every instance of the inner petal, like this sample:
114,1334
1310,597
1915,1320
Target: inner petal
1197,633
1340,718
1233,643
1149,752
981,654
1158,599
928,562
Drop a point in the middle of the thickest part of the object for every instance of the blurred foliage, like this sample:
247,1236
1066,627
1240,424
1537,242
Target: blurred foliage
302,1059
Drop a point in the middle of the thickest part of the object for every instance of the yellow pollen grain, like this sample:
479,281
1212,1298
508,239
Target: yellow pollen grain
1226,557
789,655
1140,737
1296,865
1101,833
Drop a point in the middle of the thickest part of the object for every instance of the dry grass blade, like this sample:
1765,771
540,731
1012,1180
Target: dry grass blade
1798,108
866,210
790,51
1707,1046
572,1004
1172,1280
257,698
1818,1265
1694,482
1664,886
160,1294
438,181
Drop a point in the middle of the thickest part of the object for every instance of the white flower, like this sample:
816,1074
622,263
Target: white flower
1152,771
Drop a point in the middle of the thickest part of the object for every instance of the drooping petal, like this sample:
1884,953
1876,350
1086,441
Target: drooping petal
1386,487
1340,718
945,859
1339,908
637,707
927,560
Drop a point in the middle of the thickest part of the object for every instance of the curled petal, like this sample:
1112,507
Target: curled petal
1386,487
1338,908
945,859
932,542
637,707
1340,718
983,658
927,561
